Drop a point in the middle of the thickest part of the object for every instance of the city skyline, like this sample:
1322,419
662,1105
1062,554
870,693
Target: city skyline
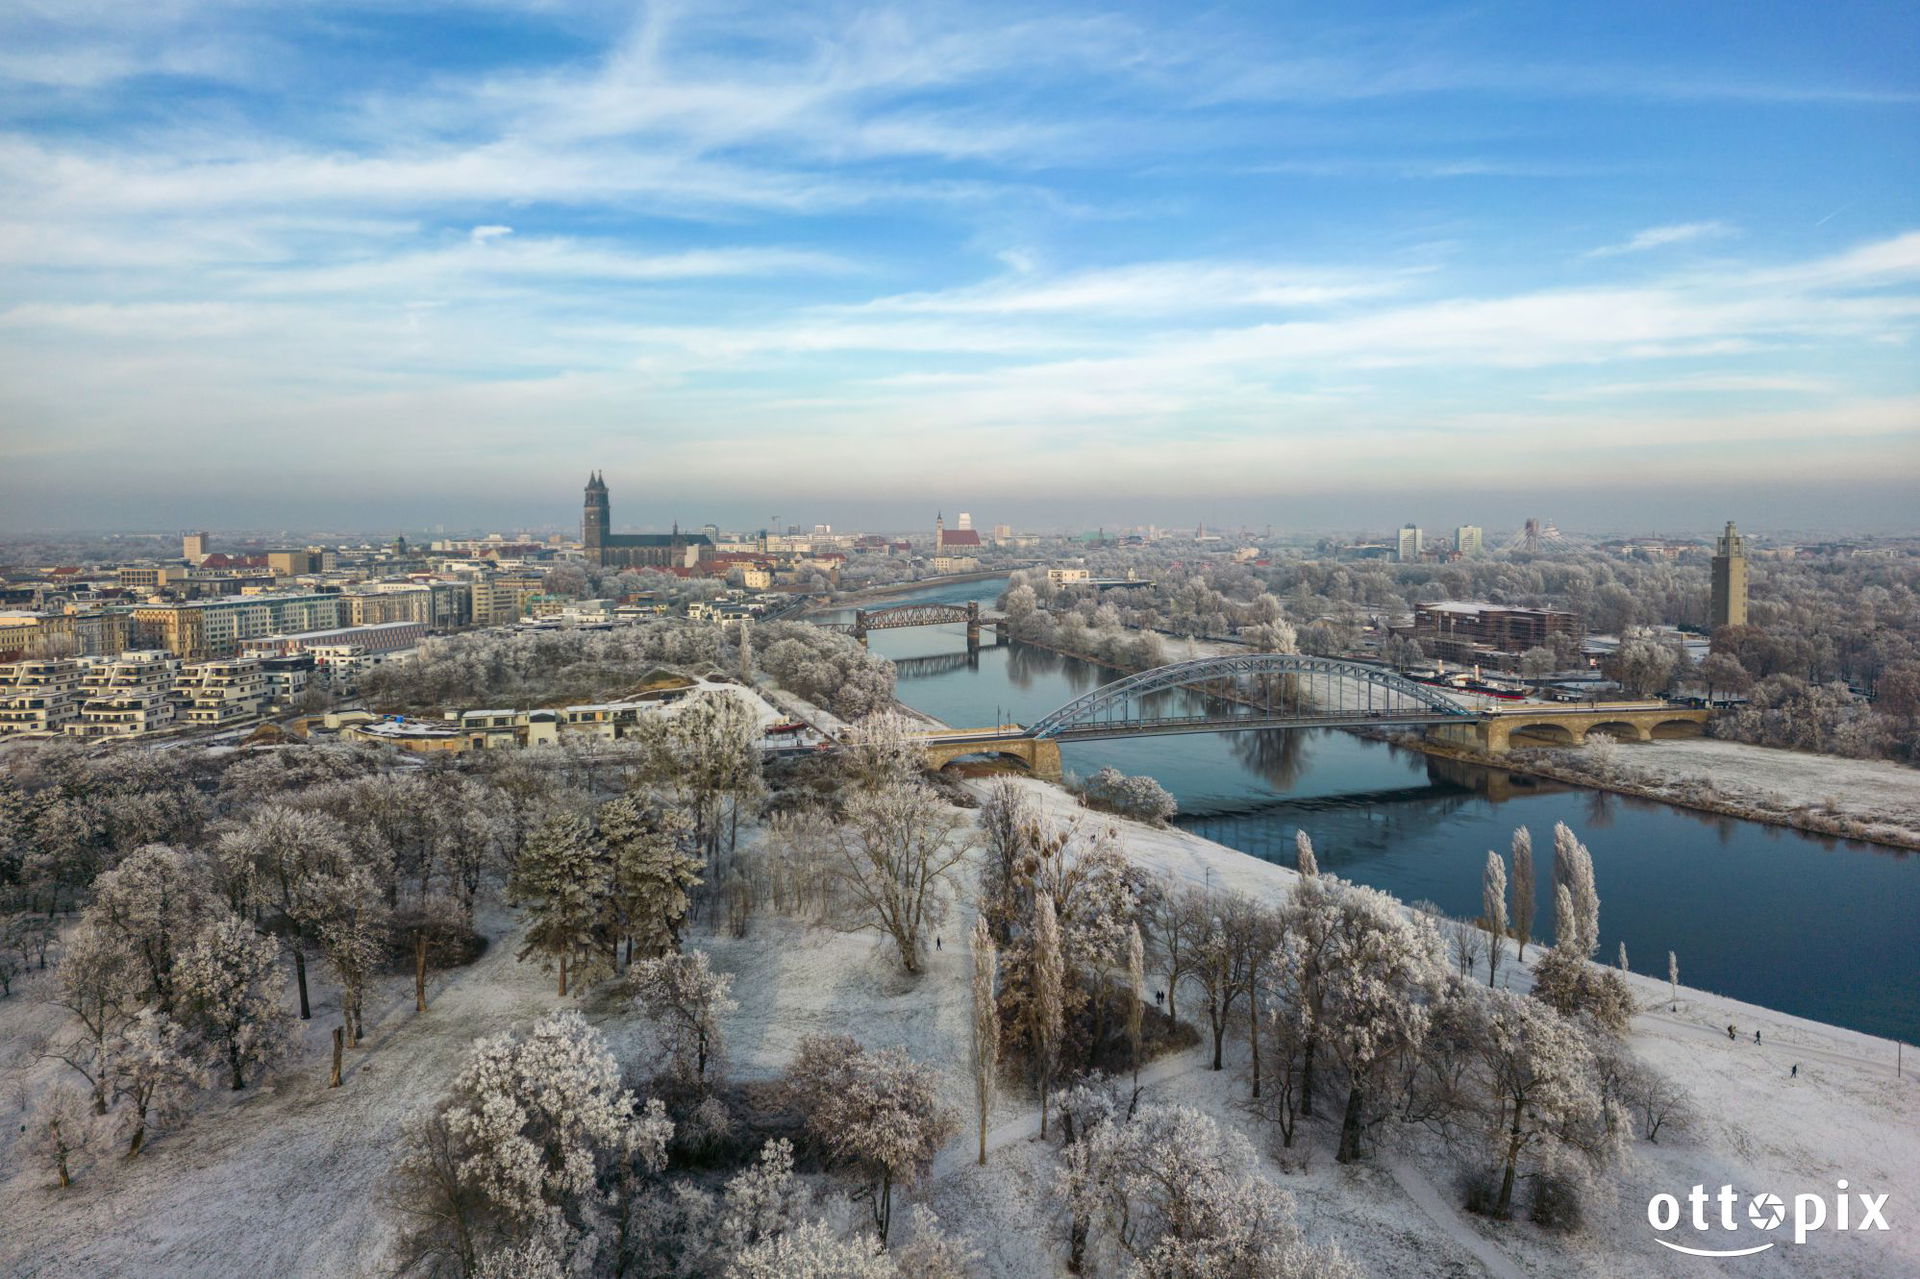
1398,263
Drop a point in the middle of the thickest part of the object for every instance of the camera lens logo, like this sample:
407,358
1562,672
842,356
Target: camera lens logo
1766,1211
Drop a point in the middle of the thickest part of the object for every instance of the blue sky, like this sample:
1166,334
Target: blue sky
1625,265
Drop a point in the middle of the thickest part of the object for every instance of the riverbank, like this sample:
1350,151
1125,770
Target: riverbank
854,598
1867,800
1804,1103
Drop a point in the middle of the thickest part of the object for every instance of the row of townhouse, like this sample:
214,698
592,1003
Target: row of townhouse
141,692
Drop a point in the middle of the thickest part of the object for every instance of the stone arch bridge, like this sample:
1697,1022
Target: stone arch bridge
1294,690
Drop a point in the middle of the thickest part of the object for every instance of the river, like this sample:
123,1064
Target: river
1816,927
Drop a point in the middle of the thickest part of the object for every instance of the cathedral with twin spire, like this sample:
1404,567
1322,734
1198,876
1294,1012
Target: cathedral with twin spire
634,550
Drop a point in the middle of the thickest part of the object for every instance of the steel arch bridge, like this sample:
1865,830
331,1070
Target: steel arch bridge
1252,690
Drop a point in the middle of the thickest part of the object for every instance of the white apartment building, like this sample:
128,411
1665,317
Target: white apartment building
129,696
1412,543
1068,576
209,694
40,696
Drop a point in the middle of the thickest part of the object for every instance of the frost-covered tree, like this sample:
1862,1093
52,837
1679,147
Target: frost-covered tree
881,750
153,904
1303,858
1136,997
564,881
344,907
877,1111
103,985
1141,798
1382,967
653,867
710,754
532,1140
1170,1192
1047,1011
684,1000
895,858
758,1204
1007,816
153,1068
1576,923
1525,887
1536,1090
929,1252
814,1251
1673,979
267,861
62,1126
984,1042
230,998
1493,910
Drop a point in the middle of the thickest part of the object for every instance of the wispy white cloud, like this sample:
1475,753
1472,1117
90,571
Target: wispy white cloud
1659,237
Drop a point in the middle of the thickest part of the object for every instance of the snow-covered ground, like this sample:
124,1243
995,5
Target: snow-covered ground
284,1179
1882,798
1845,1116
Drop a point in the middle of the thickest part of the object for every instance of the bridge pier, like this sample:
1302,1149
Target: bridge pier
1040,755
1492,734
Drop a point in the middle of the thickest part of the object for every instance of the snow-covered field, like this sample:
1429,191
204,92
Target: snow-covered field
284,1179
1869,799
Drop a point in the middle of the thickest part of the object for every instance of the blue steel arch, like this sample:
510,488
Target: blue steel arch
1386,694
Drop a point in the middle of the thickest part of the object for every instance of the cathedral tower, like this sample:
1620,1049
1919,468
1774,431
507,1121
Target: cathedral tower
596,520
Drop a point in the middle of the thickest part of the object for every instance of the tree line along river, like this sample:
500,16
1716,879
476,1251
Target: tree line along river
1816,927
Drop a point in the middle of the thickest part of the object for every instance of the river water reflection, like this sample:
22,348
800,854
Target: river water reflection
1817,927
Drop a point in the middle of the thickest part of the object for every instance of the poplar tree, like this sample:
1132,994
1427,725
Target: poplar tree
1049,980
985,1058
1493,903
1524,888
1137,990
1303,853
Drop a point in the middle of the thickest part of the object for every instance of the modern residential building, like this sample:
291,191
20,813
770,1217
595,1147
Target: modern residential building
293,563
1729,580
1410,544
1491,634
388,603
69,633
201,629
287,678
154,579
383,637
40,696
193,547
222,691
1468,540
129,696
1068,576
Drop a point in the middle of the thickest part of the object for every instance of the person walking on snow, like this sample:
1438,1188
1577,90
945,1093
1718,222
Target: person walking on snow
1730,1035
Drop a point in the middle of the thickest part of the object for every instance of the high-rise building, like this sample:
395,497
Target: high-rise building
1468,539
966,519
1410,544
1730,580
193,547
